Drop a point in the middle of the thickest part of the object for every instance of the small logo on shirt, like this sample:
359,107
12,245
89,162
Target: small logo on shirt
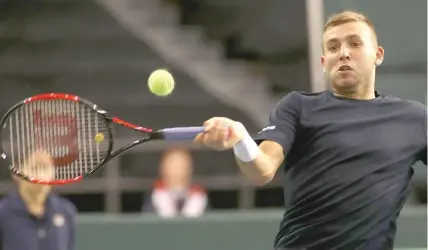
41,233
58,220
267,129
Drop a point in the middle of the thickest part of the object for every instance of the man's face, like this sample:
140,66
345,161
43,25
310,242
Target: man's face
176,169
350,55
40,166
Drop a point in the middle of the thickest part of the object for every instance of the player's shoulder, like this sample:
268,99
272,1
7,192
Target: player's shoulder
408,109
414,104
410,104
303,95
300,97
415,109
418,106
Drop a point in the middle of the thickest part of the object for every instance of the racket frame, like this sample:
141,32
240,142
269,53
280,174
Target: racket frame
151,135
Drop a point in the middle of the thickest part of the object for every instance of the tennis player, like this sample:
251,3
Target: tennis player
32,216
348,152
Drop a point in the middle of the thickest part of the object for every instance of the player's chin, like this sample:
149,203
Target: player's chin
345,83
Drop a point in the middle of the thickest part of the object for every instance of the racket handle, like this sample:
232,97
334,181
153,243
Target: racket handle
181,133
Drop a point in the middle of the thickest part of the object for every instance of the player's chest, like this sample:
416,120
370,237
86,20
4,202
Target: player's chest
385,133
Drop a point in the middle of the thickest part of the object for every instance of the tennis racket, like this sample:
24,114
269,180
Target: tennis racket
76,135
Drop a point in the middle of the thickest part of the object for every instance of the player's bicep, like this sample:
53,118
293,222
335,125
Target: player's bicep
274,151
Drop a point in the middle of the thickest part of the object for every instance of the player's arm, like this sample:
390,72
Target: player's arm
259,159
262,169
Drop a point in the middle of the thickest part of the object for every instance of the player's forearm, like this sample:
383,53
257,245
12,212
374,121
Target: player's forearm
259,171
256,165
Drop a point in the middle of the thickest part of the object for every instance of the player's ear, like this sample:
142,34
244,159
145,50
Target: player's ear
380,53
323,63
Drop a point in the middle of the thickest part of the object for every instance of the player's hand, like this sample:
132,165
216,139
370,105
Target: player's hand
221,133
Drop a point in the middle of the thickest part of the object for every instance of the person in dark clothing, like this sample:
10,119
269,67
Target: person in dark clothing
347,152
32,217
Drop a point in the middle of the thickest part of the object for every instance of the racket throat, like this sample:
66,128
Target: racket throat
157,135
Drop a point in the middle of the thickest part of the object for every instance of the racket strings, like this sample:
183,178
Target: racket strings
69,139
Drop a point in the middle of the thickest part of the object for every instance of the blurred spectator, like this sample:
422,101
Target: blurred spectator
174,193
33,217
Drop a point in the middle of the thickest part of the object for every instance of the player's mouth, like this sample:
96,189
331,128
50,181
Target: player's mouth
344,68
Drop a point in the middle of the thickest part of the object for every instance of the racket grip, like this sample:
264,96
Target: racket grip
181,133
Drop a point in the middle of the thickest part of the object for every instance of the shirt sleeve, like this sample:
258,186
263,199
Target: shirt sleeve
283,122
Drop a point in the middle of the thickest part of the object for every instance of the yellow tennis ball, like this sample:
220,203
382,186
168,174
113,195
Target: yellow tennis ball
99,137
161,82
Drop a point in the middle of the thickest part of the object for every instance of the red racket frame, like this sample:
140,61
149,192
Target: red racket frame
110,120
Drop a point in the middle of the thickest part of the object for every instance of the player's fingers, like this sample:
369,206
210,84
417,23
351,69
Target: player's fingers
210,127
227,133
207,139
216,131
199,138
209,124
220,133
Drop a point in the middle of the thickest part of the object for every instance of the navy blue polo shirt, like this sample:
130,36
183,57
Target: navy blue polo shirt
19,230
348,166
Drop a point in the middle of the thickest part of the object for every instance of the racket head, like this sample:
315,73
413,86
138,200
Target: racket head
55,138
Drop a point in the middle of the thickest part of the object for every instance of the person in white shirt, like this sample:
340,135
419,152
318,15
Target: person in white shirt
174,194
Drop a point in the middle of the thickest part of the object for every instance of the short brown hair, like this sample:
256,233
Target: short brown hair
347,17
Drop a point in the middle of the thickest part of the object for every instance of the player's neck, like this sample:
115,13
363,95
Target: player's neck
361,94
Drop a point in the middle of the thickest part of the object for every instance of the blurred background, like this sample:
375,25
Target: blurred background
233,58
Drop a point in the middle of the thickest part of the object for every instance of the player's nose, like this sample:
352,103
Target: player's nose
345,54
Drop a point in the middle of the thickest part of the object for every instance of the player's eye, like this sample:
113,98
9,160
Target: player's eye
333,48
355,44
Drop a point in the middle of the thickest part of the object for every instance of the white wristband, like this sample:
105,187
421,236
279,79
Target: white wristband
246,150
